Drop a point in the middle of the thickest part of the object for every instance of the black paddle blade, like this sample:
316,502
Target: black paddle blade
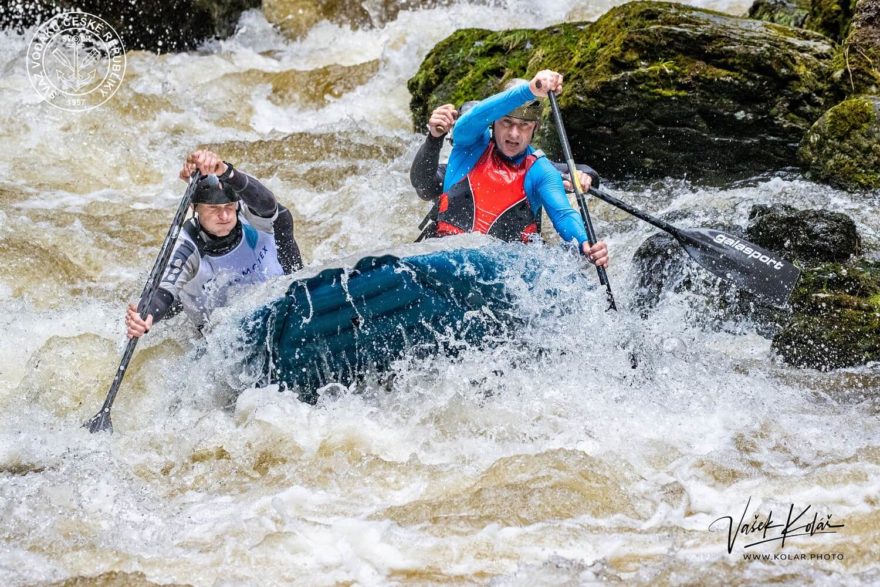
745,264
100,422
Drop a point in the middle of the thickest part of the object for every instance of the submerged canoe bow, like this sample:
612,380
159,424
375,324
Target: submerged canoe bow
343,323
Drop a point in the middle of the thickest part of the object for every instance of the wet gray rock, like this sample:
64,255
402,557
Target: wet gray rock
664,267
162,26
806,237
661,265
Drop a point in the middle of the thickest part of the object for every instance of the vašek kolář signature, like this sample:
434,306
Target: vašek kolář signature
769,530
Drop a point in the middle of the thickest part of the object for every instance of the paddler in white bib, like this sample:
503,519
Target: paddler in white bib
230,240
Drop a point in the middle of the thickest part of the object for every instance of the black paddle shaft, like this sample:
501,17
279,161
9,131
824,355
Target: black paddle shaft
101,420
609,199
429,222
579,195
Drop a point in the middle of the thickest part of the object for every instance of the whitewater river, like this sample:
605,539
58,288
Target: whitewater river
504,466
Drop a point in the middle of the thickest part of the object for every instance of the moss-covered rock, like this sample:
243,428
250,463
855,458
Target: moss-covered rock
806,237
470,64
836,318
858,64
843,147
152,25
652,88
831,17
789,13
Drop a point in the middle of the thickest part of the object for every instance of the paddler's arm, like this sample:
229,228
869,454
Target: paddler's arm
471,131
254,194
544,189
588,176
473,126
184,265
425,172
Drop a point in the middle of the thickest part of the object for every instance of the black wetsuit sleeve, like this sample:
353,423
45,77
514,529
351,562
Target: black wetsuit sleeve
162,301
563,169
288,251
254,194
424,172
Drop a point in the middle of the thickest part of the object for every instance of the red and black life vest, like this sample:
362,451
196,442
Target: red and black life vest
491,199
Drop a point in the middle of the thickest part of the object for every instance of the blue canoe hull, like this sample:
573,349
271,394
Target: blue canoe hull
343,323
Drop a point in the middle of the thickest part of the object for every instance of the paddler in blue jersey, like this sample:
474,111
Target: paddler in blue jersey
426,174
238,234
497,183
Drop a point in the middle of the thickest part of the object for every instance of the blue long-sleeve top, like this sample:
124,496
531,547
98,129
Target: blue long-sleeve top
543,184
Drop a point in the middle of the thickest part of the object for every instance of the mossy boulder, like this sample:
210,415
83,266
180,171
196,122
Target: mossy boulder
830,18
789,13
153,25
805,237
836,317
653,88
843,147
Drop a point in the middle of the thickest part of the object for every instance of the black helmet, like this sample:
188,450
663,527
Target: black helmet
210,190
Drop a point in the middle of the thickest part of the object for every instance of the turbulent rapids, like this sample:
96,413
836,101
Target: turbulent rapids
526,451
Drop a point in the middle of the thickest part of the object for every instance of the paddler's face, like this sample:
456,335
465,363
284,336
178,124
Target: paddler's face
218,219
513,135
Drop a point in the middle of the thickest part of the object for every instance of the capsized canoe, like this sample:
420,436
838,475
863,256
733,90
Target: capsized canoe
343,323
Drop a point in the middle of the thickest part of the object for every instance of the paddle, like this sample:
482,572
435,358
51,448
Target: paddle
579,194
101,420
729,257
428,222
